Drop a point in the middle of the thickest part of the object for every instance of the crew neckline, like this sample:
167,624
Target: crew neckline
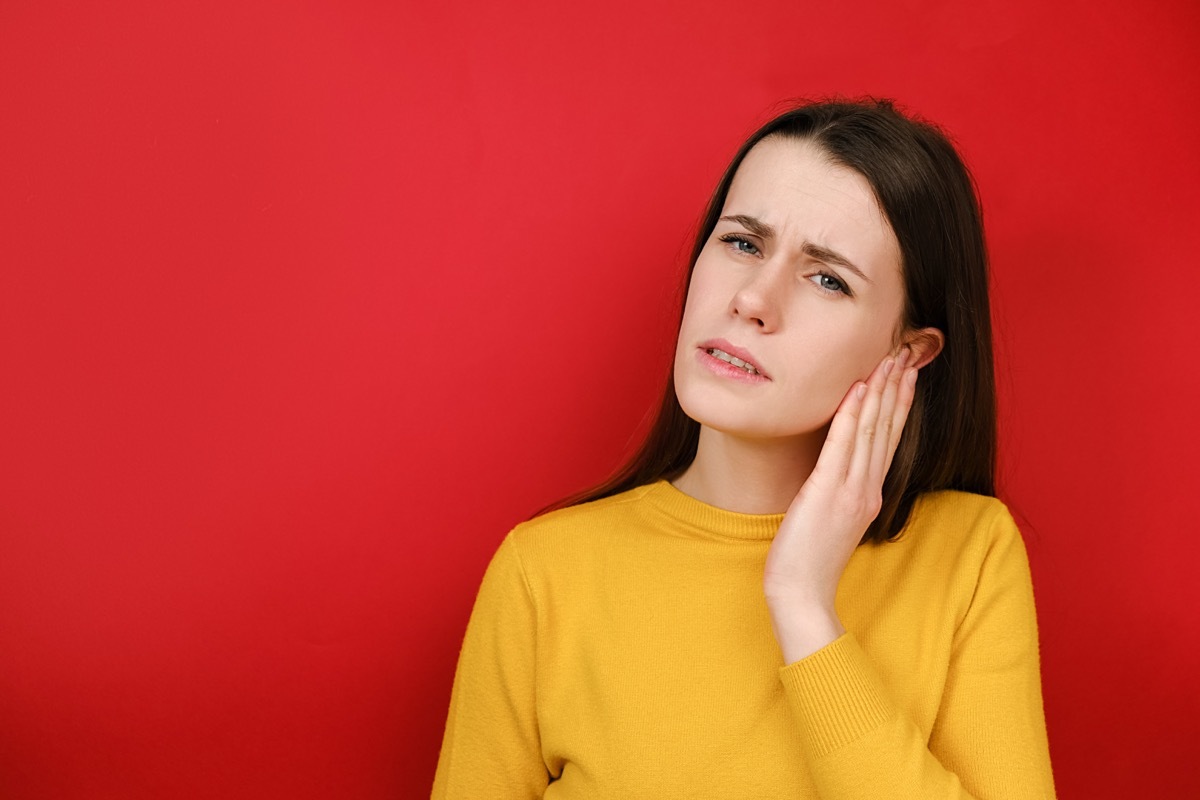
681,506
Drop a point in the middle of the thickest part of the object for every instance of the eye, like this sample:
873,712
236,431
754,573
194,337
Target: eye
830,283
740,243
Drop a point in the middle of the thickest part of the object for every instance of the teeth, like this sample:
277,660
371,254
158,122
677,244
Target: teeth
737,362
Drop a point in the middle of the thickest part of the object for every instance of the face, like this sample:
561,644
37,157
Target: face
800,278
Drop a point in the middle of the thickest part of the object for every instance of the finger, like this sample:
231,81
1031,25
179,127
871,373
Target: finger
904,401
839,442
868,418
882,453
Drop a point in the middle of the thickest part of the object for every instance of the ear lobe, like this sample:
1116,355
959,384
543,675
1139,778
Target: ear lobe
925,345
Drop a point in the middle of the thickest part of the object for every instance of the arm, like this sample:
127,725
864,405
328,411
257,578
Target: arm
491,746
989,738
990,729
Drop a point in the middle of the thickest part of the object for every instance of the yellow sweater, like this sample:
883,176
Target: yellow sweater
623,649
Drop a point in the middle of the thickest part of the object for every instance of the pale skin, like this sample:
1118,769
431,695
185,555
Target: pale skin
809,321
832,509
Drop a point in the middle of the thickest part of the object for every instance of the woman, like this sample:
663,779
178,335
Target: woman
801,586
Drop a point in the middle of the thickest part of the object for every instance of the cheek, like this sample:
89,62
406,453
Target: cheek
830,364
703,302
684,339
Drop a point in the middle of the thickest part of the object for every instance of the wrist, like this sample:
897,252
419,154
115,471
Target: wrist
803,629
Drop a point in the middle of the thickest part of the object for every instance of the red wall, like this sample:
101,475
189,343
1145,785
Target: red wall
303,305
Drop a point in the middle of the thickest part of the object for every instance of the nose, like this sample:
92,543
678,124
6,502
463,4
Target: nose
757,300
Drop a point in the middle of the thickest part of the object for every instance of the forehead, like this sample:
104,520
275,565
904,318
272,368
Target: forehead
794,187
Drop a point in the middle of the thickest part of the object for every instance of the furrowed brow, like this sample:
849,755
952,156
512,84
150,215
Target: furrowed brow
831,257
752,224
760,228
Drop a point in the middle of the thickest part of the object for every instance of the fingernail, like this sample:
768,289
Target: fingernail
911,377
904,354
887,367
862,389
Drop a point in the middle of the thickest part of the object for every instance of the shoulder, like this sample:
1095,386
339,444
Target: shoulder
969,535
959,509
966,550
586,514
962,528
576,526
960,516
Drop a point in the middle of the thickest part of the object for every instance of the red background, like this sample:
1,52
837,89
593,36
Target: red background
303,305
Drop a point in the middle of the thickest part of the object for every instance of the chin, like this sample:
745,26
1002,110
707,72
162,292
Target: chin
741,422
749,420
707,403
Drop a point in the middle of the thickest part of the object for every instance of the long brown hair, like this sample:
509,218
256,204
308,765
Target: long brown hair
928,197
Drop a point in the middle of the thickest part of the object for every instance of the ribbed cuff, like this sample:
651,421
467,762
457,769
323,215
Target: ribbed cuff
836,695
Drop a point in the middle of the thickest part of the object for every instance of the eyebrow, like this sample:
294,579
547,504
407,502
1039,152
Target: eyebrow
765,231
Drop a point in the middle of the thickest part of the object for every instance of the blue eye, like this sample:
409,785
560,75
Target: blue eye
740,244
829,283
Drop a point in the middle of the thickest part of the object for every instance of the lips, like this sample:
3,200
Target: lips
736,352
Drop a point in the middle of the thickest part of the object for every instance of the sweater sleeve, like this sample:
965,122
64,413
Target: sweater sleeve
491,743
989,739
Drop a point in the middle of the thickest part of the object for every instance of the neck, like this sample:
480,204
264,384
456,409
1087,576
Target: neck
750,476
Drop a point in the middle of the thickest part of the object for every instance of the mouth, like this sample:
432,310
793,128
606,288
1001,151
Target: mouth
734,360
731,360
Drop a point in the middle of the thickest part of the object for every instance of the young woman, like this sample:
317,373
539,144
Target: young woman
801,586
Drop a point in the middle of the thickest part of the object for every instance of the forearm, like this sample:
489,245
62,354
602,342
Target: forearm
857,743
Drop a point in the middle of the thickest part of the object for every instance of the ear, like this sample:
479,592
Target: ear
925,344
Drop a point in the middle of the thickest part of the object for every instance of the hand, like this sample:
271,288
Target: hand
831,512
